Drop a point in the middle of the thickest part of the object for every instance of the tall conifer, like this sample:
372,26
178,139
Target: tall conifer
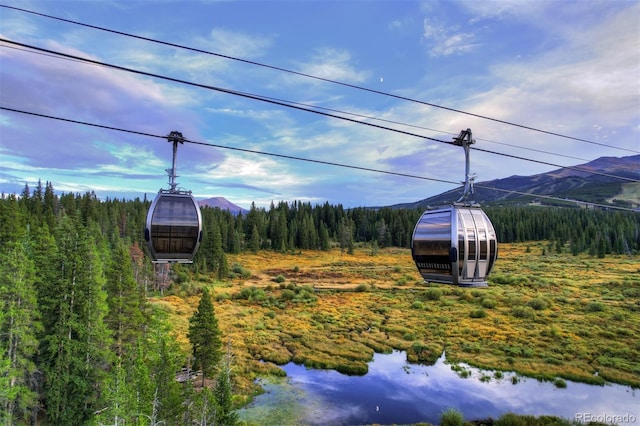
204,336
126,303
76,354
19,324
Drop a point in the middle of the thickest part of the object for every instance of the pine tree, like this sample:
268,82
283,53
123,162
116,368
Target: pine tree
204,336
12,220
254,244
118,398
215,248
202,408
223,267
324,237
165,358
18,326
75,352
125,318
225,415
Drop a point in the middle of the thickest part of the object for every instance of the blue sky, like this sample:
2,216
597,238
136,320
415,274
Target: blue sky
569,67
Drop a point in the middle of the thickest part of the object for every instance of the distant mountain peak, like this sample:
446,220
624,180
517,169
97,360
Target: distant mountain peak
567,183
221,203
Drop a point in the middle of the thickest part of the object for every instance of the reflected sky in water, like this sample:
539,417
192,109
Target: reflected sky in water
397,392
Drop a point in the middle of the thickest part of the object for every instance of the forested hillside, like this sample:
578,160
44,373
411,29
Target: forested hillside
79,341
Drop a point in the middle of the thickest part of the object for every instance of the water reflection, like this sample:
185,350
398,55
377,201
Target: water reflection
395,392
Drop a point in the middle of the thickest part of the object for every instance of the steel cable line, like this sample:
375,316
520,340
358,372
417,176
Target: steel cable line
276,68
415,126
275,101
309,160
368,117
297,106
251,151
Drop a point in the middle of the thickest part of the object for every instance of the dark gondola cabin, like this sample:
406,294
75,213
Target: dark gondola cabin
174,228
174,222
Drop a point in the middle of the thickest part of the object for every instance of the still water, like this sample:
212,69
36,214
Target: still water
396,392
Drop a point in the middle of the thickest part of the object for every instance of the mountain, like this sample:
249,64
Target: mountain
223,204
570,183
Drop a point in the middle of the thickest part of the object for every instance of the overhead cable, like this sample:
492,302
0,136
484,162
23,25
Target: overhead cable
353,86
298,106
212,145
368,117
309,160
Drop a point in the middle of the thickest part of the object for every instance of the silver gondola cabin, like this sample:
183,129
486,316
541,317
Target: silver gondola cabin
456,244
174,223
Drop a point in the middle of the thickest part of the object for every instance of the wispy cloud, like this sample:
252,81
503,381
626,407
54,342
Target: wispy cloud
442,41
241,44
333,64
515,60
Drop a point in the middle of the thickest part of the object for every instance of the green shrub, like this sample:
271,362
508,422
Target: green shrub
478,313
180,277
409,336
433,294
425,353
451,417
524,312
304,295
417,305
559,383
472,348
489,303
538,304
595,307
239,271
477,293
362,288
354,368
631,292
279,279
221,297
511,419
252,294
287,294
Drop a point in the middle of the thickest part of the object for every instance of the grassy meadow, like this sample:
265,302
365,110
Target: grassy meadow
545,314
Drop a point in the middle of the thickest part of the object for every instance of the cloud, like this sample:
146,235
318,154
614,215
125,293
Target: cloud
273,176
590,79
333,64
81,92
579,79
444,41
242,45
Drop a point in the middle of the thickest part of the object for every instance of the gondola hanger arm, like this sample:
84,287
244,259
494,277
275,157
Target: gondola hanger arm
465,140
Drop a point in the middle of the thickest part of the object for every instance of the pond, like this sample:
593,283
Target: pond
396,392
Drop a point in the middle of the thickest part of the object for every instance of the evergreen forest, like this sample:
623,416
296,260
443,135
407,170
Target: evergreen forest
80,344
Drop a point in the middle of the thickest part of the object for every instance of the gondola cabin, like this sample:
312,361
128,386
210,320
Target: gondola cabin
174,227
456,245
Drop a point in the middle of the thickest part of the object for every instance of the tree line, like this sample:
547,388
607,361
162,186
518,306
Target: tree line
79,342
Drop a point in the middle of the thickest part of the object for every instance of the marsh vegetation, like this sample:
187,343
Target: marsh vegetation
547,315
89,318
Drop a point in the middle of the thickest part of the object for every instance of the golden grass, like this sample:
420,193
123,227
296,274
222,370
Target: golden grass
551,315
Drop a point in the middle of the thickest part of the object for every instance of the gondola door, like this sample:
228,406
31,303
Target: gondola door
469,232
